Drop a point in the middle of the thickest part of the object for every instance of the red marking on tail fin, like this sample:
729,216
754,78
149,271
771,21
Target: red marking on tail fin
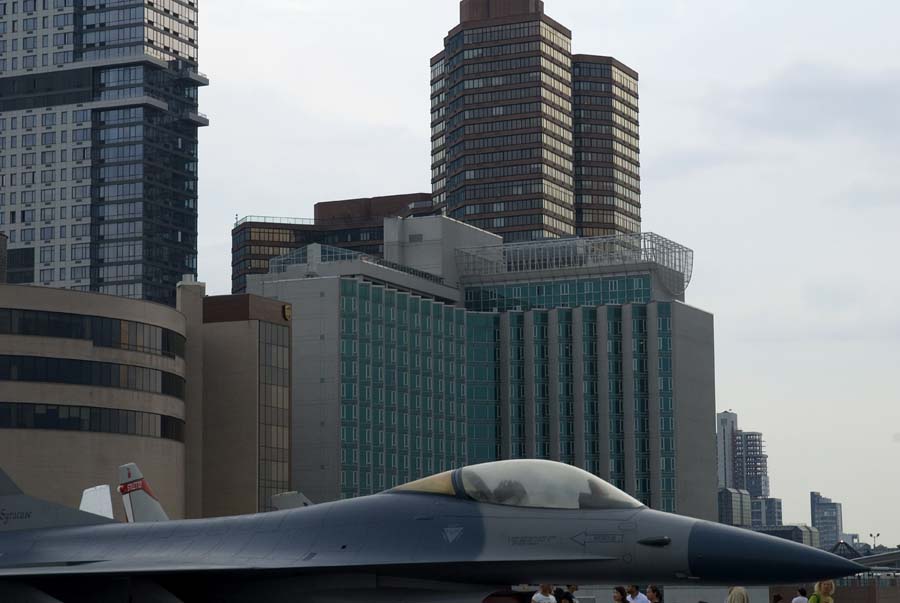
136,485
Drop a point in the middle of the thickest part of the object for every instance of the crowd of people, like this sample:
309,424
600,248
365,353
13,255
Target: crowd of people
621,594
823,593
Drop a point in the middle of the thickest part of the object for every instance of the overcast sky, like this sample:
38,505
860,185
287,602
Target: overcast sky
769,139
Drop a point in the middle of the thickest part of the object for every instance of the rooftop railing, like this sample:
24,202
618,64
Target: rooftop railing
480,263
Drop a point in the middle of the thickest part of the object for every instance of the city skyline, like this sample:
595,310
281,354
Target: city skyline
803,325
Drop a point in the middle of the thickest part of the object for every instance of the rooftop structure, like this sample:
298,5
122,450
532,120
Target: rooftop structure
356,224
672,262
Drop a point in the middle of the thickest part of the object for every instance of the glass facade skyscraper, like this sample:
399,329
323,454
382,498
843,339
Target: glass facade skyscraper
510,153
827,516
576,350
98,144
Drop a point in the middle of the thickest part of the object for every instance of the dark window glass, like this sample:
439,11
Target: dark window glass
103,332
87,419
86,372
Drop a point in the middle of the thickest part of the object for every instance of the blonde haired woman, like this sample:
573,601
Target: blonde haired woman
824,592
738,594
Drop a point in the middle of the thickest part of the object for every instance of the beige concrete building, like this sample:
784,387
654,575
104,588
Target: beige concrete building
198,396
247,408
89,382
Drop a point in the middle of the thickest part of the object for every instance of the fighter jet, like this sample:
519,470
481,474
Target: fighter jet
454,537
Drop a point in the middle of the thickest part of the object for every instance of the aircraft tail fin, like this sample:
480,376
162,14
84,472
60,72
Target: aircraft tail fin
7,486
291,500
97,500
141,505
18,511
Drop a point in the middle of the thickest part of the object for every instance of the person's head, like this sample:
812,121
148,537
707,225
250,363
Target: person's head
825,588
546,589
633,589
777,599
571,588
801,591
619,594
654,594
738,594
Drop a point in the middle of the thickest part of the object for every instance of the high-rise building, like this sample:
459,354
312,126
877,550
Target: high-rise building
741,456
751,463
827,516
456,348
735,507
727,427
508,153
356,224
767,512
607,147
98,144
798,533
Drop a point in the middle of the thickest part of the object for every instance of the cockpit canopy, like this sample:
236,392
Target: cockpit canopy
526,483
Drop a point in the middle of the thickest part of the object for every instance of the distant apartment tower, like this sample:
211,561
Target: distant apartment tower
98,144
741,457
798,533
504,135
827,516
751,463
356,224
735,508
726,428
766,512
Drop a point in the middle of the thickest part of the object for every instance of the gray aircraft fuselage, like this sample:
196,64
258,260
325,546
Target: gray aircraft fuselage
403,546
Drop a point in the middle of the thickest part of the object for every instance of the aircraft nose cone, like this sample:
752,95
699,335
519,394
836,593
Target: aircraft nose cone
726,555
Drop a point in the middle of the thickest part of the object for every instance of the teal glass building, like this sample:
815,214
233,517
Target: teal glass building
592,361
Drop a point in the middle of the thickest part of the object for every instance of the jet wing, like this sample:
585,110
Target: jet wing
451,571
110,568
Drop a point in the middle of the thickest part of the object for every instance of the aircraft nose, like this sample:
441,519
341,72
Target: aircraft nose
727,555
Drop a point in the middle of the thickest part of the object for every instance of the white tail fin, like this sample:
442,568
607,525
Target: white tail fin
98,501
19,511
290,500
140,503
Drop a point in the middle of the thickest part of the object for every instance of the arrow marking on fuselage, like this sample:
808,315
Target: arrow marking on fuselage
452,533
586,538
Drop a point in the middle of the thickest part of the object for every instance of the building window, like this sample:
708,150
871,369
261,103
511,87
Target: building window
96,374
88,419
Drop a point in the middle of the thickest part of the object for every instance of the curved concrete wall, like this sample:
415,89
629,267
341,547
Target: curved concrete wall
58,465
